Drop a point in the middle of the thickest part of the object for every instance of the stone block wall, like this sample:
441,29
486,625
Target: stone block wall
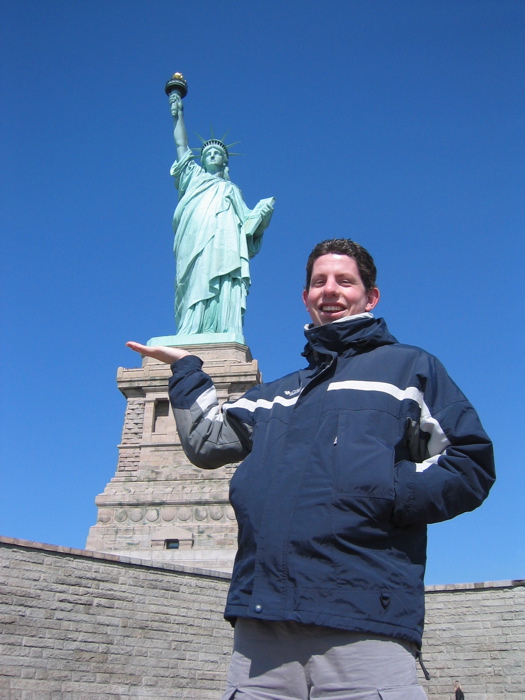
475,633
75,625
79,625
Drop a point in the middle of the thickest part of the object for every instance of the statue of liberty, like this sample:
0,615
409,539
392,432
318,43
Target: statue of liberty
215,235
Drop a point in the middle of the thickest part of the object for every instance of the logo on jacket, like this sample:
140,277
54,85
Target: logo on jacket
293,392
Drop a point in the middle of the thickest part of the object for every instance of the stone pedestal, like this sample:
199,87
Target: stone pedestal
158,505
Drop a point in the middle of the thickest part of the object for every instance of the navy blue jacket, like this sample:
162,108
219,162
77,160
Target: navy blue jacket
344,465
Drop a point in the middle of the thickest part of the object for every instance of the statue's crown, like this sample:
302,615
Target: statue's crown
218,143
214,142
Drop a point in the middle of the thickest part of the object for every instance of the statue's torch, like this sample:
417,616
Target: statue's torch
176,84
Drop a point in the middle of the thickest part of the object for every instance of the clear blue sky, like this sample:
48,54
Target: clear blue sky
398,123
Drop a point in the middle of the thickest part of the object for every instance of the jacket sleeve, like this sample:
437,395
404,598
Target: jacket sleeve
453,463
210,437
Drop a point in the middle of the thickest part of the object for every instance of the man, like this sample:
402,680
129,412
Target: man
345,464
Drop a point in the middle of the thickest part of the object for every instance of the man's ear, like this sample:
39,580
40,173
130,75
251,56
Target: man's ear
305,297
373,298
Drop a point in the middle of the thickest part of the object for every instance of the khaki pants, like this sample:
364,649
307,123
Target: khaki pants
283,660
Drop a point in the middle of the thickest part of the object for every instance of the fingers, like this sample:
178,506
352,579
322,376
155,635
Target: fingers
137,347
175,104
163,354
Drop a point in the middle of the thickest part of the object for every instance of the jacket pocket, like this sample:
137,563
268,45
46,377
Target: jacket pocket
363,466
363,455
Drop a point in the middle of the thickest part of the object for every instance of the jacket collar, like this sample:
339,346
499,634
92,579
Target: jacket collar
349,336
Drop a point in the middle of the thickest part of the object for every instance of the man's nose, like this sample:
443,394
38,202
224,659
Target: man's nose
330,286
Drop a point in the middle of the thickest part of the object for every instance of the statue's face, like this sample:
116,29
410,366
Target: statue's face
214,160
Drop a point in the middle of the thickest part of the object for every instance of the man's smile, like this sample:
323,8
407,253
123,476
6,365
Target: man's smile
331,307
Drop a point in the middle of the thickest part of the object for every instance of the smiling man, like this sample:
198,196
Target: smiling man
343,466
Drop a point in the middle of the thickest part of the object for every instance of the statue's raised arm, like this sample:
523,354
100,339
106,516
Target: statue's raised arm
180,134
215,235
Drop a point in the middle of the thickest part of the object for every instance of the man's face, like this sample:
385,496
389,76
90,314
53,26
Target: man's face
336,290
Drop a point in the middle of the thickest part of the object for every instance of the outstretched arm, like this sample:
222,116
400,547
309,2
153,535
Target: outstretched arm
162,353
208,438
179,131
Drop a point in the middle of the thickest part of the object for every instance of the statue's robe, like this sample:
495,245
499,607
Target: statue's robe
215,237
